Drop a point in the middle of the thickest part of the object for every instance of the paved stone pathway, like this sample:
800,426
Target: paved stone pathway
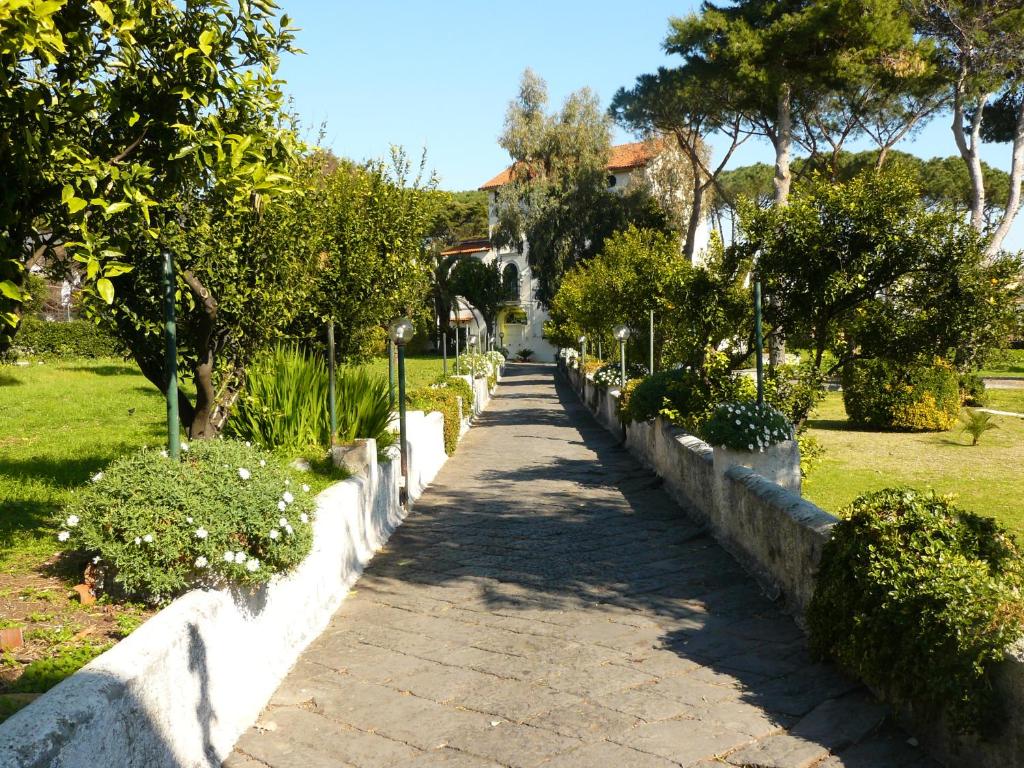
546,604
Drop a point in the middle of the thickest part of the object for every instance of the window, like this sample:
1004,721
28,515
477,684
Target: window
510,282
612,180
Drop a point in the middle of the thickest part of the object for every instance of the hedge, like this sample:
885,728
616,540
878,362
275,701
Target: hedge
74,338
883,395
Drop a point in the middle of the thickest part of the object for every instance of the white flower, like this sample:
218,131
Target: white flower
244,473
287,482
229,556
282,522
201,562
289,530
163,453
137,541
282,506
248,444
737,421
201,533
96,560
63,536
188,519
305,487
72,521
148,538
288,498
184,447
274,533
263,462
253,565
97,477
239,556
750,446
304,517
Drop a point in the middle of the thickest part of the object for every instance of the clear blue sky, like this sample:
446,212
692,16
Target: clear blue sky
439,75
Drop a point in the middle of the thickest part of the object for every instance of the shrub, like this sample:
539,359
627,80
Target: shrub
972,390
795,390
496,358
75,338
285,403
475,365
592,365
163,527
919,598
609,375
684,396
976,424
445,400
746,426
882,395
461,387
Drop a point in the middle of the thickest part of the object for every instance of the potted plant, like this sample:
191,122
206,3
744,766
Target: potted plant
756,436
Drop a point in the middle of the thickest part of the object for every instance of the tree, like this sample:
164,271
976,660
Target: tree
481,285
800,68
557,198
640,270
980,44
460,216
682,105
864,269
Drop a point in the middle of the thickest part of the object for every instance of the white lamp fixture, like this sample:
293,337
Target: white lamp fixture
401,331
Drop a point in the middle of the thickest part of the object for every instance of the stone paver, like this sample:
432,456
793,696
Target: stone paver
547,604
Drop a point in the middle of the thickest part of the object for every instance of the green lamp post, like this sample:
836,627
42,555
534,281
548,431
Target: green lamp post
621,334
400,333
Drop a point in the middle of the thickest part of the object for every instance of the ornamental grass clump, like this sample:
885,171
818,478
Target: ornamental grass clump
747,426
920,599
226,513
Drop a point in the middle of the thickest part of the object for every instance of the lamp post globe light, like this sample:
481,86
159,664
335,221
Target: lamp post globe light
621,332
583,353
401,332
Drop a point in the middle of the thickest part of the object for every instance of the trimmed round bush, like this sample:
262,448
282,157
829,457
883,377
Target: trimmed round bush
746,426
920,599
917,398
226,513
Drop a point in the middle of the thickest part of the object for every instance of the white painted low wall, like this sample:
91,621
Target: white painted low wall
180,690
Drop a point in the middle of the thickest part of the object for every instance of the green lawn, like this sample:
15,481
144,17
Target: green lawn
1006,400
984,478
1010,365
60,422
420,370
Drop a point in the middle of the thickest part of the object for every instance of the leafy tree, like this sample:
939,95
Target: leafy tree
680,104
481,285
557,198
864,269
980,44
639,270
460,216
798,67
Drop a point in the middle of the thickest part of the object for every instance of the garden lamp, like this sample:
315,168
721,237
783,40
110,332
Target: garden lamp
583,353
400,333
621,332
471,341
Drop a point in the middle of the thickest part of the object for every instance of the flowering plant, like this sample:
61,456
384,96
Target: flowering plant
747,427
476,365
496,358
226,512
610,374
571,357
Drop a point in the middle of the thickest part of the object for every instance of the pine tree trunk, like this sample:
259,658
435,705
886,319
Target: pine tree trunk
1016,175
783,144
969,152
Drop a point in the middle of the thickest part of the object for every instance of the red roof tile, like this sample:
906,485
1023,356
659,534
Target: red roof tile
621,158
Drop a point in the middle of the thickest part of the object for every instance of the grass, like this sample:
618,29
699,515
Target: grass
983,478
60,422
1006,400
1009,365
420,370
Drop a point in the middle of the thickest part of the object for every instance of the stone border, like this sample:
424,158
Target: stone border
181,689
778,536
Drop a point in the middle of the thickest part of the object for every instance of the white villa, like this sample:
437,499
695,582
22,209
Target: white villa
520,323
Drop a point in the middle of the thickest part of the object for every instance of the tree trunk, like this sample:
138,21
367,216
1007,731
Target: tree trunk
969,152
694,222
1016,175
202,424
783,143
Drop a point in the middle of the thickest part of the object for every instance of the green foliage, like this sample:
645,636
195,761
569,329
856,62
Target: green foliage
41,675
686,397
746,426
609,375
976,424
459,216
524,354
481,285
36,290
443,399
917,397
795,390
972,390
920,599
461,388
163,527
285,403
474,364
75,338
864,268
640,270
